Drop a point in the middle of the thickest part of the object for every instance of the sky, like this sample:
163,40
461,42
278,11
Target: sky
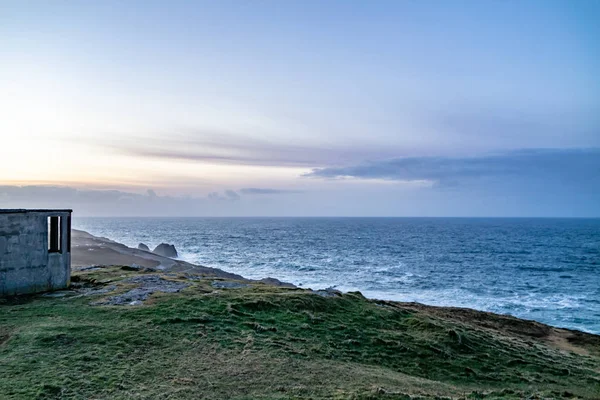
301,108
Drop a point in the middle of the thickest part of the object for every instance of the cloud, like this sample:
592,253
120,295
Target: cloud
258,191
579,166
232,195
115,202
215,196
86,201
449,130
239,149
228,195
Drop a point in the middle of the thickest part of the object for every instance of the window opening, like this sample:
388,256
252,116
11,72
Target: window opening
54,223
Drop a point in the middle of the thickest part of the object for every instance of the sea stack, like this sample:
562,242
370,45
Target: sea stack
142,246
166,250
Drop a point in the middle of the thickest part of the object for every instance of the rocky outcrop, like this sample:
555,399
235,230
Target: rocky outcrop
147,285
277,282
165,250
89,250
228,285
142,246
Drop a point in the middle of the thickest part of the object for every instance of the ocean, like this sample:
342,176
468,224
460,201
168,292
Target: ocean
541,269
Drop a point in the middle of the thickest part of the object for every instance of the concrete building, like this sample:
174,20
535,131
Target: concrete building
35,250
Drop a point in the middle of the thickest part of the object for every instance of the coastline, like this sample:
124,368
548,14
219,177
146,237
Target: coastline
168,329
93,250
526,269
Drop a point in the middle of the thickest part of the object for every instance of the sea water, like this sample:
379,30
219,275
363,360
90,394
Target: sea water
542,269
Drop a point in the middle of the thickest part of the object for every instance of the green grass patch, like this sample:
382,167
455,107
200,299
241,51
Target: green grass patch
272,343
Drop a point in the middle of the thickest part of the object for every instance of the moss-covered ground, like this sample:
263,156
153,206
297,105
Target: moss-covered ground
265,342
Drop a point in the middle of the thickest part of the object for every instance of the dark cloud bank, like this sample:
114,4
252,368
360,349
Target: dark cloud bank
572,166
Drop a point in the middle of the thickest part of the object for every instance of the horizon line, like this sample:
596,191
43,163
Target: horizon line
337,216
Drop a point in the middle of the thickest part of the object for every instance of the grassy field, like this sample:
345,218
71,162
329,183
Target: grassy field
264,342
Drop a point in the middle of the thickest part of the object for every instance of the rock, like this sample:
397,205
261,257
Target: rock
132,267
277,282
165,250
88,268
228,285
61,293
329,292
193,277
142,246
138,268
92,292
148,284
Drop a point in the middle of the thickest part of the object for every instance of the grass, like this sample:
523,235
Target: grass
264,342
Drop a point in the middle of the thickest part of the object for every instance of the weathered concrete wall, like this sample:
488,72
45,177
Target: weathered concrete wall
26,266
